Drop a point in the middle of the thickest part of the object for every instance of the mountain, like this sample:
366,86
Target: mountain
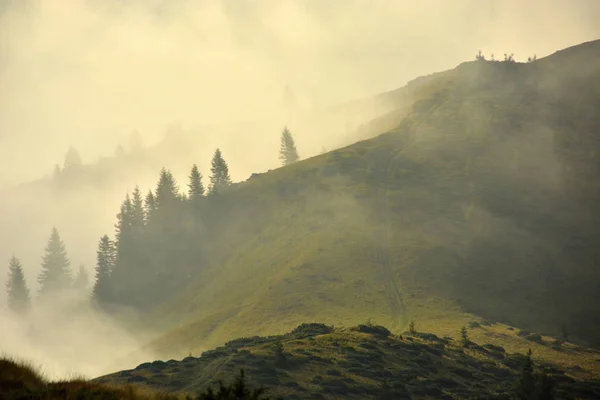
482,200
315,361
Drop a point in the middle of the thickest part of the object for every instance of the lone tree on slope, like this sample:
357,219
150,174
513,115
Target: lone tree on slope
55,274
219,178
196,188
287,151
16,287
105,262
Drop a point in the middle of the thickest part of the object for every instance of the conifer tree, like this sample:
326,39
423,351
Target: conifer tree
219,178
81,280
123,227
55,274
105,262
18,293
167,192
149,206
196,188
138,214
287,151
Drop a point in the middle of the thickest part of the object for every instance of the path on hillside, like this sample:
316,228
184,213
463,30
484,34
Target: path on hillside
384,258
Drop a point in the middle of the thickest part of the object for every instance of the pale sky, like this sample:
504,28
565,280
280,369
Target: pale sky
87,72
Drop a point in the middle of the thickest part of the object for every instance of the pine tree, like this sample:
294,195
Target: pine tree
138,214
526,384
123,227
18,293
287,151
220,173
82,280
196,188
105,262
55,274
167,192
149,205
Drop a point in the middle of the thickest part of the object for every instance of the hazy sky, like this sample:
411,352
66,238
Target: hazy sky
87,72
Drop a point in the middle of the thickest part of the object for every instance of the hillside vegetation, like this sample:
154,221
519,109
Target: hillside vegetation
482,200
315,361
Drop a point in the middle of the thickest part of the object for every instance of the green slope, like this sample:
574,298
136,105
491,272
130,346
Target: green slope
481,200
318,362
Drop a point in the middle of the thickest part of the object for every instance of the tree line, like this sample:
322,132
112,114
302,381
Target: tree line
160,240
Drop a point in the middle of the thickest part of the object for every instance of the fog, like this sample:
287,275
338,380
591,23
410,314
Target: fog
64,337
86,73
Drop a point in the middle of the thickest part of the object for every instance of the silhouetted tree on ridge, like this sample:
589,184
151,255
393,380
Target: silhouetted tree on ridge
219,178
195,187
287,150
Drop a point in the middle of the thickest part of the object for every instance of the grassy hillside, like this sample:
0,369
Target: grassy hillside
315,361
481,200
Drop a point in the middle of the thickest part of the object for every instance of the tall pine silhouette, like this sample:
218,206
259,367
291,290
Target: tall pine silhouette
55,274
105,262
167,192
16,287
195,187
149,206
287,150
219,178
138,213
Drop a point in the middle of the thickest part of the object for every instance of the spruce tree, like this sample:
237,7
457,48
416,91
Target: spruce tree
55,274
124,225
196,188
81,280
105,262
18,293
167,192
287,151
149,205
138,214
219,178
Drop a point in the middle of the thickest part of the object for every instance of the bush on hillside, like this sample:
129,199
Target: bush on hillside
376,330
311,329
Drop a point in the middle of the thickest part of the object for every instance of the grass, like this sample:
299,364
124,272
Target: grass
21,380
320,361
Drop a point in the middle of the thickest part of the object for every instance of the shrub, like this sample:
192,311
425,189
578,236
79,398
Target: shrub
412,327
309,330
376,330
493,347
474,324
